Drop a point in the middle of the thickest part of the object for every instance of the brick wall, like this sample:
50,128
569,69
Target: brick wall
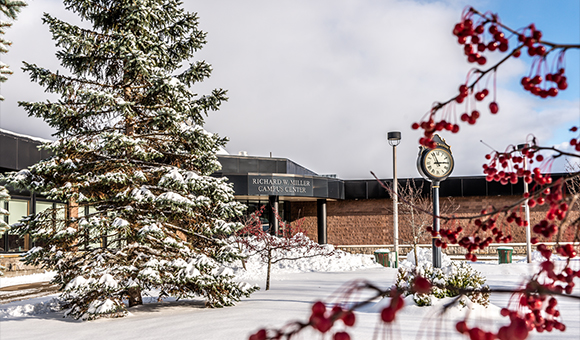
367,222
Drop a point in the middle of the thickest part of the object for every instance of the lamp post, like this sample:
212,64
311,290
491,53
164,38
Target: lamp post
394,138
520,147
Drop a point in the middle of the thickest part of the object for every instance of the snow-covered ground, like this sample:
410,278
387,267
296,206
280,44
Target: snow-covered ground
19,280
294,287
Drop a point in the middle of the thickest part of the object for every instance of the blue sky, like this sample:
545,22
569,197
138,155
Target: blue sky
558,20
322,82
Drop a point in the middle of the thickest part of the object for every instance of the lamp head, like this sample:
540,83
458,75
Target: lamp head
394,138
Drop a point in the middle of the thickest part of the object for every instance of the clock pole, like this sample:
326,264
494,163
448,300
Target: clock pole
436,250
430,167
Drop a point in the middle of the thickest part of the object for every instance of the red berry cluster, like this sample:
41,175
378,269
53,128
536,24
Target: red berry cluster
431,127
574,141
472,37
539,318
512,167
478,33
473,243
566,276
323,320
532,41
567,251
388,313
474,333
532,84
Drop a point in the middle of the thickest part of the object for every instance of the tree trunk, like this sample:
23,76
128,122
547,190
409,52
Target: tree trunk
135,298
268,270
243,260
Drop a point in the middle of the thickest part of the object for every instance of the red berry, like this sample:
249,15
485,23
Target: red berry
259,335
348,318
562,85
319,308
461,327
503,46
397,302
529,42
323,325
455,128
517,53
341,336
388,314
421,285
415,126
476,334
525,81
493,107
540,50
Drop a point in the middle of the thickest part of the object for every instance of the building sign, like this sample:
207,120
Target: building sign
280,185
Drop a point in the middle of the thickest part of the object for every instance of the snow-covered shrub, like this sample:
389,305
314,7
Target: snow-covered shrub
447,281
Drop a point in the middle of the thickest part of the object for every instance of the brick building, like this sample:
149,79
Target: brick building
339,212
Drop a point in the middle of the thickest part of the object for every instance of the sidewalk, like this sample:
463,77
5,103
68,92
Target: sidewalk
26,291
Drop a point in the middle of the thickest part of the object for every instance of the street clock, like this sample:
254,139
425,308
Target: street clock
435,165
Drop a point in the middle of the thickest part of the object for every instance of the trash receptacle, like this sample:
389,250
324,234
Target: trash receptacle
505,254
385,257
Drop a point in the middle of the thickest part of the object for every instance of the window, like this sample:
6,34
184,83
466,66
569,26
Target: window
11,242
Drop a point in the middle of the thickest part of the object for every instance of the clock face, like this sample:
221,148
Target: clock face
438,163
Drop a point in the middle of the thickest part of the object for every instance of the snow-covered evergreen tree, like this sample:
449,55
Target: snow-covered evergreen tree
10,8
131,153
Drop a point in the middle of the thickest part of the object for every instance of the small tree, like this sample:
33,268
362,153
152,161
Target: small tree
290,245
132,154
418,210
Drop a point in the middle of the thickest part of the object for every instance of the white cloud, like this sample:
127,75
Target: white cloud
321,82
